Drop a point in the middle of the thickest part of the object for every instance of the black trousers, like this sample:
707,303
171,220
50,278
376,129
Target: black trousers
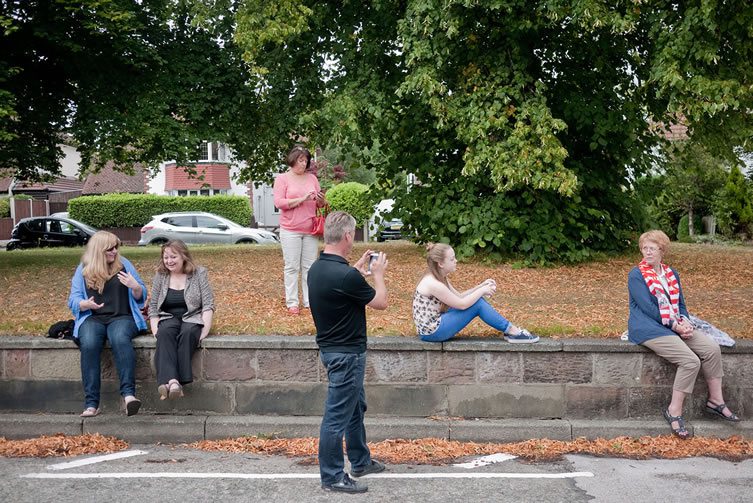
176,343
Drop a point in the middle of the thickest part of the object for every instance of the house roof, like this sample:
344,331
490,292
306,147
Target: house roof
676,132
208,175
108,181
5,183
61,184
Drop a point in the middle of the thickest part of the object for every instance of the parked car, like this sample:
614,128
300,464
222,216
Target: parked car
390,229
49,231
197,227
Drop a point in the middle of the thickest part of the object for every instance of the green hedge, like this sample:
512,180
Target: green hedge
353,198
132,210
4,207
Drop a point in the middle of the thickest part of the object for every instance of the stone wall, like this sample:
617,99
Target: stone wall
473,378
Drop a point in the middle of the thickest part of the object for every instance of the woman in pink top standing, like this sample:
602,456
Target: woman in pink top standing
297,195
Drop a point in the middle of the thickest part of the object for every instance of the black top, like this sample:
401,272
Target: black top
338,295
114,296
175,303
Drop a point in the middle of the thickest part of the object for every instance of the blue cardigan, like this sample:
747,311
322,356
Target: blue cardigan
78,293
644,322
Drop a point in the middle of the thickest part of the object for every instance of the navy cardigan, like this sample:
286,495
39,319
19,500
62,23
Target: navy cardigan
644,322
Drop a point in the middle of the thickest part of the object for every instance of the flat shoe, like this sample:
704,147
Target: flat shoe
132,407
718,410
163,391
176,391
90,412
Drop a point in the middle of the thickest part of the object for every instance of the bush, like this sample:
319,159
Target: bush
4,207
132,210
351,197
733,205
683,231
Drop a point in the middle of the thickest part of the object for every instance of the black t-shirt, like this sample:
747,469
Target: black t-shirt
338,295
114,296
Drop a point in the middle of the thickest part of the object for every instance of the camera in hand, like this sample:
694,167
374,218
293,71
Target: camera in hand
372,258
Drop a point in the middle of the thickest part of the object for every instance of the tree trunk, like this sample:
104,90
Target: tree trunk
691,230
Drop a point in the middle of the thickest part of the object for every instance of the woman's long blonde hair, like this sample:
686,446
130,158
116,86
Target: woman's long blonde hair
436,253
96,269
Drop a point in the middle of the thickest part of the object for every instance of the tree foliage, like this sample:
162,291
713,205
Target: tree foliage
131,81
734,205
523,121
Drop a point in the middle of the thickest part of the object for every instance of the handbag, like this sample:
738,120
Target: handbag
719,336
319,218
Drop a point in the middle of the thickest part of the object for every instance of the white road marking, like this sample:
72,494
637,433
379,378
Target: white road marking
486,460
281,476
96,459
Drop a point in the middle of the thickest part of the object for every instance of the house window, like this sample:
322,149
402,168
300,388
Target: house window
182,193
204,152
205,192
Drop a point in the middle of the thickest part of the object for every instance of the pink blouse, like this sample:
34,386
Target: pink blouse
287,187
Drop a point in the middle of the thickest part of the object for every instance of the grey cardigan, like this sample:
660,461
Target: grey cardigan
198,295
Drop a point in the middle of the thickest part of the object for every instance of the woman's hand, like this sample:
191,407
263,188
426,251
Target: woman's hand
88,304
127,279
489,286
683,328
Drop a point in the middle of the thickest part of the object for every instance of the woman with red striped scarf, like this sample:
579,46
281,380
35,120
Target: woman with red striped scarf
660,321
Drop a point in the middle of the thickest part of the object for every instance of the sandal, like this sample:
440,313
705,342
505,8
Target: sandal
164,391
680,431
719,411
175,390
90,412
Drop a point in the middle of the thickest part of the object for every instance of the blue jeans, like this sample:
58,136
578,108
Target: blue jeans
455,320
343,416
92,336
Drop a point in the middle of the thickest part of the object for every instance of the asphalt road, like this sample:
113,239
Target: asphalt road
177,474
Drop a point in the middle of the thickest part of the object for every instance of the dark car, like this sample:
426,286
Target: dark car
49,231
390,229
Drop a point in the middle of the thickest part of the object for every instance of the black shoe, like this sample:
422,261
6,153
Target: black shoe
374,467
346,485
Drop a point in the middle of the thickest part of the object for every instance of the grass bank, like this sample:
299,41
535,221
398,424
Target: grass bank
587,300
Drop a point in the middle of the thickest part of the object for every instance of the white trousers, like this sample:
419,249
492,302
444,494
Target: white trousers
299,251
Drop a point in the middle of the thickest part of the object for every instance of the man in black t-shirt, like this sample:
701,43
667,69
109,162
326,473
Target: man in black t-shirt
338,296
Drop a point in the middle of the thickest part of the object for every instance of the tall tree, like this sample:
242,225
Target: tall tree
132,81
693,177
522,121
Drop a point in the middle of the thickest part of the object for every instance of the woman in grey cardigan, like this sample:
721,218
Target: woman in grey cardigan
181,308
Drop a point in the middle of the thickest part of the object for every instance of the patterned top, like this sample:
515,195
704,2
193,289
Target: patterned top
427,310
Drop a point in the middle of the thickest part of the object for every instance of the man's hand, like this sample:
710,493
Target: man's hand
362,264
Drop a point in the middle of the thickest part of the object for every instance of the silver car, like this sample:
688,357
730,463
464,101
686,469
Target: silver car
196,227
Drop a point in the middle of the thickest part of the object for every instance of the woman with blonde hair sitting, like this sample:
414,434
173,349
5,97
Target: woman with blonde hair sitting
106,299
660,321
440,311
181,309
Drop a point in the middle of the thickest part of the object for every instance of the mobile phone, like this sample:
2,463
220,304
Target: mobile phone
372,259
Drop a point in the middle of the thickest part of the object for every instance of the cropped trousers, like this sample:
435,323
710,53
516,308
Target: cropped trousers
699,352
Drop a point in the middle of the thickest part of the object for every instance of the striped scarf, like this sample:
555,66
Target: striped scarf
669,308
